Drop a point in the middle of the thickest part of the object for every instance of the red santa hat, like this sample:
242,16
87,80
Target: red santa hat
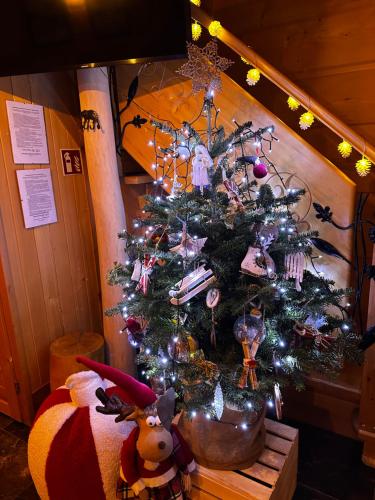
139,394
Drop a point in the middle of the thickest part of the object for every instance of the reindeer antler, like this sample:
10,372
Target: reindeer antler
113,405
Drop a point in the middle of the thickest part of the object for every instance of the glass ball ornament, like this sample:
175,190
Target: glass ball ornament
249,326
260,170
181,346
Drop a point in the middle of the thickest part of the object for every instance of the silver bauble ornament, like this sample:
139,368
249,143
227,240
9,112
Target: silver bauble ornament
249,326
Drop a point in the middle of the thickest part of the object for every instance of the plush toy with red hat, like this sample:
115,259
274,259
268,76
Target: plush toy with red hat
74,451
155,460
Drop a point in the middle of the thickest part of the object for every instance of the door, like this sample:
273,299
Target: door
9,387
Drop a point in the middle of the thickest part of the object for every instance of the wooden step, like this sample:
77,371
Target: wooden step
273,476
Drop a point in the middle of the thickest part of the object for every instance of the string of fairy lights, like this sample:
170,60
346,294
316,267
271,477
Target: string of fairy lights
307,118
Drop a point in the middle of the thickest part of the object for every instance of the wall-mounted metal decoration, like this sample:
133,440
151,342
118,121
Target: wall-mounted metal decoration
361,227
90,120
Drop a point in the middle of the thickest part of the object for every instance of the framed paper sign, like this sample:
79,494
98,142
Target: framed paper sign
37,199
27,133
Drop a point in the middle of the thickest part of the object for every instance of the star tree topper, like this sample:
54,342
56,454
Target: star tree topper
204,66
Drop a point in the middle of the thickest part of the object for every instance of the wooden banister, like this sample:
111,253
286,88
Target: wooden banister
271,73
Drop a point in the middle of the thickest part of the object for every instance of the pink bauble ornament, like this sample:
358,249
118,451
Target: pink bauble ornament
260,170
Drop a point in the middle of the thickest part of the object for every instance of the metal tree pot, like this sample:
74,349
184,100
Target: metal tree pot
225,445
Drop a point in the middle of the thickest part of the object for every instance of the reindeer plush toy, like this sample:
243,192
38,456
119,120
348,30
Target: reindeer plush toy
155,459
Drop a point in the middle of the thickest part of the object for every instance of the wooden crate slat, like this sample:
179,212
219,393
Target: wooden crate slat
272,458
198,494
263,473
230,485
280,429
278,444
286,485
272,477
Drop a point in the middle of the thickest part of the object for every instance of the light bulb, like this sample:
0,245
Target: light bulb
306,120
253,76
345,149
293,103
215,28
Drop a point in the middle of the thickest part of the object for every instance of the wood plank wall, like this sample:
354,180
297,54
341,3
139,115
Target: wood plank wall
50,271
327,47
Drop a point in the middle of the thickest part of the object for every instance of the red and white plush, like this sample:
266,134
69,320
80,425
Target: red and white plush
155,456
73,450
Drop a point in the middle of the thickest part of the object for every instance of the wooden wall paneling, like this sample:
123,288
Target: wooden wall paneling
58,232
14,278
41,282
28,259
44,249
78,293
75,208
84,219
50,270
327,44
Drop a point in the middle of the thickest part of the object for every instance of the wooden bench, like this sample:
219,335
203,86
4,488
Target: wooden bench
273,476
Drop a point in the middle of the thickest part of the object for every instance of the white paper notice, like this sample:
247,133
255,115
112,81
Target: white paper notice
27,133
37,199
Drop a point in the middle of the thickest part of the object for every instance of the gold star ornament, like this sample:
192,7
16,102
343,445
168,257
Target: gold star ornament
204,67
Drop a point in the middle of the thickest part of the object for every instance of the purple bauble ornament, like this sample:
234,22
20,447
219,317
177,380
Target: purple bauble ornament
260,170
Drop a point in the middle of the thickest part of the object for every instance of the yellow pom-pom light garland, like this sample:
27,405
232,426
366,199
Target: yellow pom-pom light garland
292,103
196,2
363,166
253,76
196,30
215,28
306,120
244,60
345,149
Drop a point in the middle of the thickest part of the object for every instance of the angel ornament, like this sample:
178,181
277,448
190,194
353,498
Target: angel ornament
201,163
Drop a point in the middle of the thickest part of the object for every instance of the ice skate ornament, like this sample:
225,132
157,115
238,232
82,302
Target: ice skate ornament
257,261
201,164
294,265
197,281
189,247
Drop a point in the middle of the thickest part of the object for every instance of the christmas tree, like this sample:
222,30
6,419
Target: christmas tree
221,296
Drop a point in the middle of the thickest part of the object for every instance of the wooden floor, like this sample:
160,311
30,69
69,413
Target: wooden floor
329,466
